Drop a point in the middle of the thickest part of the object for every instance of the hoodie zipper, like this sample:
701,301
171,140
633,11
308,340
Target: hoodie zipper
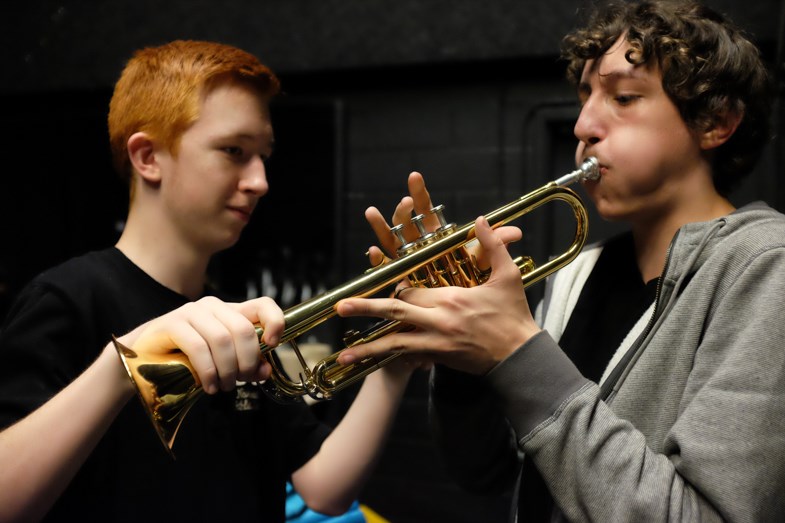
607,388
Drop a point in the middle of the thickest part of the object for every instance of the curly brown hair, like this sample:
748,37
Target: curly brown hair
709,68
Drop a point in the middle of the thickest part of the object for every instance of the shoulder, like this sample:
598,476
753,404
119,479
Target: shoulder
750,231
91,267
69,285
101,288
749,241
759,222
58,316
69,279
102,275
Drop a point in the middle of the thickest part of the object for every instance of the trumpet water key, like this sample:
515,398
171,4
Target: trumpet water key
167,385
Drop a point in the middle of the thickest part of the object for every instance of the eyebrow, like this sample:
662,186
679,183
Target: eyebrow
268,138
630,72
584,87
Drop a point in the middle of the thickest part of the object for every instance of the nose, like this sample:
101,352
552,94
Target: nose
588,128
254,178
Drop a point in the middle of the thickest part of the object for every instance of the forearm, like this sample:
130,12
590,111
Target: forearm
42,452
599,467
717,460
332,479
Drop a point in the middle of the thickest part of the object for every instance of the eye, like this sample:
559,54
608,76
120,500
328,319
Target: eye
625,99
233,151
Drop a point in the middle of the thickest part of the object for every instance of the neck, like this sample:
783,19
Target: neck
164,256
653,236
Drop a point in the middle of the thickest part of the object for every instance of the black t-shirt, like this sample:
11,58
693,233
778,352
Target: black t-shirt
234,451
611,302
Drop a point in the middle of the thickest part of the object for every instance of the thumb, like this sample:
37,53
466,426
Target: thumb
508,234
493,245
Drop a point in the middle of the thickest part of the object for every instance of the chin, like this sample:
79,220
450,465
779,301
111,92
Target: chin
226,242
609,212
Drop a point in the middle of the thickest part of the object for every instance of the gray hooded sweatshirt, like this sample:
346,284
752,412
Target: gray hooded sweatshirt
688,422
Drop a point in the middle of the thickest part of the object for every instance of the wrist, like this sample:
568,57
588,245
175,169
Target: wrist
120,379
518,338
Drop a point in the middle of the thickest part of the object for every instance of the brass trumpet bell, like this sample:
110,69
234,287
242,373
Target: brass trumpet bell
167,387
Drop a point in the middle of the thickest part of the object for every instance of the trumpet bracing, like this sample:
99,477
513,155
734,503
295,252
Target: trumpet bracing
166,383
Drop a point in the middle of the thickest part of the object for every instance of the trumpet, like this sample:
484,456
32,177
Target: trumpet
167,386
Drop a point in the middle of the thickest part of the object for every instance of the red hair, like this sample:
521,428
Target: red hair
160,90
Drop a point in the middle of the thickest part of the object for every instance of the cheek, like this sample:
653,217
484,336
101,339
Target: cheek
637,158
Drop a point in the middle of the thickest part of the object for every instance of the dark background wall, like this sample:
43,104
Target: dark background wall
468,92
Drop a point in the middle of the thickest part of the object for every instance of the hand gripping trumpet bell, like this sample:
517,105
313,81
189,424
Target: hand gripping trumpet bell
168,387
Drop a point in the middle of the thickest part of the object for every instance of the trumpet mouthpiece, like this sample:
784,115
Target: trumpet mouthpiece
588,170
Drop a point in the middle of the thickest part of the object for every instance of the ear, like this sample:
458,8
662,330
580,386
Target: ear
141,152
721,129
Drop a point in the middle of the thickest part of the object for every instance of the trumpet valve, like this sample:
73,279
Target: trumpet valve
417,221
439,212
397,231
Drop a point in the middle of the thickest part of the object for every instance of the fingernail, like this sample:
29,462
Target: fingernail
346,359
347,308
273,341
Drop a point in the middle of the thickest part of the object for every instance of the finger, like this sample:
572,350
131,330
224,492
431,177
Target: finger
195,347
231,339
177,331
264,370
242,360
385,308
422,203
381,229
376,256
419,193
508,234
403,216
420,296
247,354
408,343
408,304
205,340
267,314
402,286
493,246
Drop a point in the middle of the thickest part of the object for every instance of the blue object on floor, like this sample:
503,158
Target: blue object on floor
298,512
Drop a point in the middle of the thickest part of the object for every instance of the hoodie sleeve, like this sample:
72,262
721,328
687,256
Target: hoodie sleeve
721,456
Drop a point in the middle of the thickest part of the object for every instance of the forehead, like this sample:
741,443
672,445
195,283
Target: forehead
235,108
613,65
